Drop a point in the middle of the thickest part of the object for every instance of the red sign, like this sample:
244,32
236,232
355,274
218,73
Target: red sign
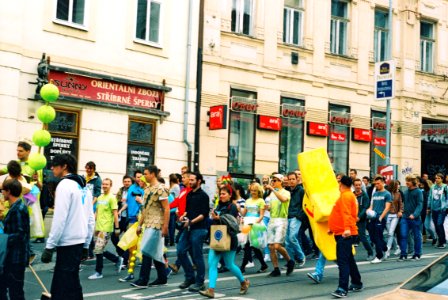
218,117
293,111
318,129
340,137
243,105
106,91
340,118
378,141
269,123
362,135
380,124
387,172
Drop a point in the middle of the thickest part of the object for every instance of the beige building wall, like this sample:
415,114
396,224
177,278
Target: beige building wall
261,63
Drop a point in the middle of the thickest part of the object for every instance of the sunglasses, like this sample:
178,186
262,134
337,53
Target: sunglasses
274,180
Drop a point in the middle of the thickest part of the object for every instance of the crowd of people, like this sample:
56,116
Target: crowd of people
386,219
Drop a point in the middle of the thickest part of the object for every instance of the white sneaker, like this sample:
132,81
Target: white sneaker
96,276
119,265
267,257
376,260
387,254
397,252
250,265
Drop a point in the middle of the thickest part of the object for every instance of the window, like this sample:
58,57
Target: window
381,35
293,22
141,137
338,143
71,11
378,141
339,24
148,21
242,16
291,135
427,46
241,138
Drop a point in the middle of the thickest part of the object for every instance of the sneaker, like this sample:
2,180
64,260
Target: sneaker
168,272
397,252
209,293
355,288
415,257
370,257
263,269
119,264
196,288
267,257
174,268
244,287
339,293
387,254
290,267
275,273
185,284
250,265
376,260
301,262
139,284
90,258
157,282
128,278
441,246
96,276
402,258
314,277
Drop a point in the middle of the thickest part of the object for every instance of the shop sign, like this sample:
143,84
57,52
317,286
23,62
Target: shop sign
339,118
139,156
106,92
269,123
389,172
379,141
293,111
241,104
60,145
340,137
317,129
218,117
362,135
435,133
380,124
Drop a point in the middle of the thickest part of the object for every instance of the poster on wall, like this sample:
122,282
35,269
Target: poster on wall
138,158
210,186
59,145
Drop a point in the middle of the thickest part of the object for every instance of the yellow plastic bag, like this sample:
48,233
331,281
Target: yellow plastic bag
129,238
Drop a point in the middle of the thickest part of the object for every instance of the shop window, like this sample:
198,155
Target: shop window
148,21
339,27
292,133
293,22
64,136
427,42
242,16
338,141
141,137
381,35
71,12
378,141
241,137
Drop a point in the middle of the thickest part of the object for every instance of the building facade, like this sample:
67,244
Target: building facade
121,68
295,75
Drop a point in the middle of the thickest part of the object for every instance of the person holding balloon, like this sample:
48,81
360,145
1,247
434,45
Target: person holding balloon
225,206
253,224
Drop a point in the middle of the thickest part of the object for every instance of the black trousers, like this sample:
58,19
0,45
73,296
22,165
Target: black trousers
11,281
346,262
145,270
66,284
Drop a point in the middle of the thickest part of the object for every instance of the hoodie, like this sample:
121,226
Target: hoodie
73,219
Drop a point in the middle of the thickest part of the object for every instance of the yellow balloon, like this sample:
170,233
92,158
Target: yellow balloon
130,271
133,258
132,264
134,252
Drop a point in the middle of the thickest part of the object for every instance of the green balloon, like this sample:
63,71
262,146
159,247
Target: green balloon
37,161
49,92
257,227
46,114
41,138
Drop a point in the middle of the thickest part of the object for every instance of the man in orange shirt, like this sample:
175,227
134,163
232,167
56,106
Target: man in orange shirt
342,223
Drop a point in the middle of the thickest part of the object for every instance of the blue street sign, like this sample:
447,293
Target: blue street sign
384,89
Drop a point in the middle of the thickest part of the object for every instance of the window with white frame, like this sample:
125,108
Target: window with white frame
427,41
148,21
293,22
381,35
242,16
71,11
339,27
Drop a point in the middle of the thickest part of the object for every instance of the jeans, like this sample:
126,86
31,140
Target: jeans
407,225
376,229
229,259
438,217
346,262
145,270
65,284
194,240
11,282
292,243
266,222
391,225
172,227
320,265
429,226
363,237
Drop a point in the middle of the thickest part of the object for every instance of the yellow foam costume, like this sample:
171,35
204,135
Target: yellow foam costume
321,193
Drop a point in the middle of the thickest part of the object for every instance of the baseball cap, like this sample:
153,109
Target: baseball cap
278,176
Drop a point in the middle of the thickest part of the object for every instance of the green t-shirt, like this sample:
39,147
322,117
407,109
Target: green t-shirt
279,209
104,212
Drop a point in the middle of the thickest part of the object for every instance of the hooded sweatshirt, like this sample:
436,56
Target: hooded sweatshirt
73,219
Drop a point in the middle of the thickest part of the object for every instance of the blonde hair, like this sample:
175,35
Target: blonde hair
412,179
259,189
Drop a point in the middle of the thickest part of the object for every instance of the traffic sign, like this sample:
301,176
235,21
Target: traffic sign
385,80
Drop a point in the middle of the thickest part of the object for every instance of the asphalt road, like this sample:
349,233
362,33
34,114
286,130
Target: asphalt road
377,279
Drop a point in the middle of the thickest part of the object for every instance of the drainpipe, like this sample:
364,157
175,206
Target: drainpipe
199,85
187,83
